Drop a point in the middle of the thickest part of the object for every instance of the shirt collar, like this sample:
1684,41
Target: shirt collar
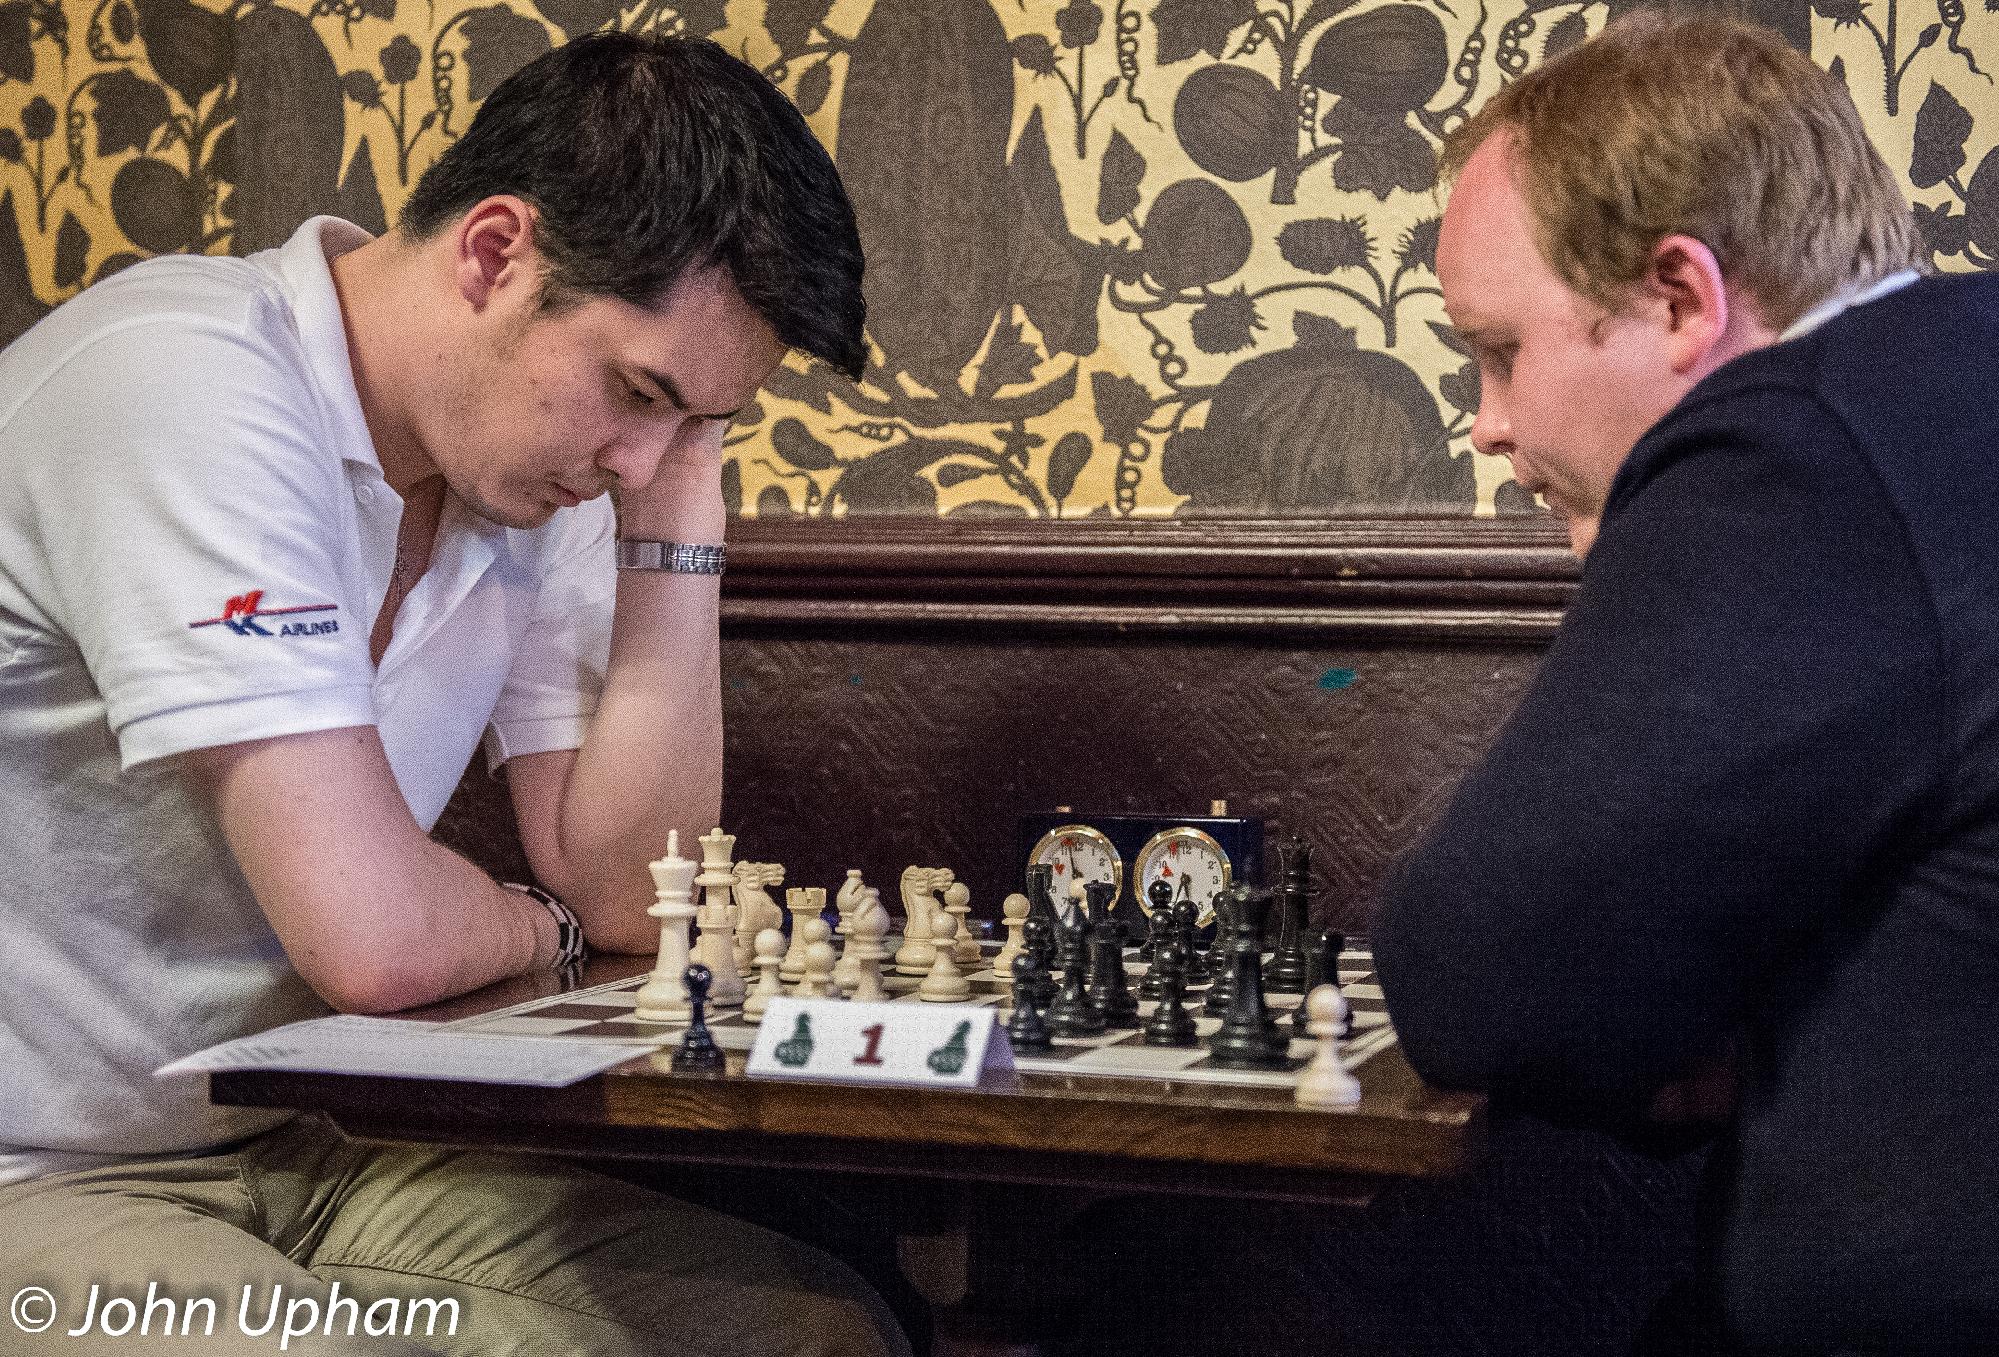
1841,301
305,261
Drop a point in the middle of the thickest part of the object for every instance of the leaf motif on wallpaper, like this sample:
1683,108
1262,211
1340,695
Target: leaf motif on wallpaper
72,252
1121,406
17,42
190,48
1942,125
886,482
1194,235
1187,28
498,42
1118,180
1056,278
290,127
1320,428
19,306
129,111
814,87
790,23
1072,453
1233,123
1568,32
798,447
360,196
156,206
1009,361
577,17
924,122
953,474
1981,208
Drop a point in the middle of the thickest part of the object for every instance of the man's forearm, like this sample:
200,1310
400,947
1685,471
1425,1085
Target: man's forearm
651,759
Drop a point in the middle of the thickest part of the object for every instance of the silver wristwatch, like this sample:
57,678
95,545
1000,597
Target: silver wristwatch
679,558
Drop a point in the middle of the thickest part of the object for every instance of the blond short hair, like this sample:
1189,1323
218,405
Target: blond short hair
1709,127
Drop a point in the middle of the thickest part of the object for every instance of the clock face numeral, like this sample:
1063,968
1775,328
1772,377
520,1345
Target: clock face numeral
1077,853
1189,861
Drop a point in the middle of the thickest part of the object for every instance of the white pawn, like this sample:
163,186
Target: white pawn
817,982
1325,1082
864,944
945,984
958,904
770,953
1014,909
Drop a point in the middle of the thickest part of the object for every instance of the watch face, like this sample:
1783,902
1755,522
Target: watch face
1077,853
1190,863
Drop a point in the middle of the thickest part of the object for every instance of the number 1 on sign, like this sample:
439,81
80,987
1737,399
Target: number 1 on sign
872,1055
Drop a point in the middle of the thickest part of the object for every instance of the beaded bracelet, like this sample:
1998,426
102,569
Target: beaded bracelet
569,949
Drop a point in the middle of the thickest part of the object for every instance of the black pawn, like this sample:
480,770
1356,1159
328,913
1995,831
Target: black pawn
698,1053
1161,938
1026,1028
1294,902
1228,928
1037,940
1102,898
1159,895
1322,967
1072,1014
1248,1039
1110,993
1170,1024
1187,922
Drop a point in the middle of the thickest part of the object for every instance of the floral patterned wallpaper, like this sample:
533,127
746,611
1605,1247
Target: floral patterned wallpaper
1126,258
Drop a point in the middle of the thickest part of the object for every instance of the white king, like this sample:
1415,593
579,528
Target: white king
663,997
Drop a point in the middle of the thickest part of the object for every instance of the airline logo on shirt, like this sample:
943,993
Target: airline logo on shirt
241,613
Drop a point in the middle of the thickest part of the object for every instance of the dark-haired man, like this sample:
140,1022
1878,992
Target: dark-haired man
282,539
1753,795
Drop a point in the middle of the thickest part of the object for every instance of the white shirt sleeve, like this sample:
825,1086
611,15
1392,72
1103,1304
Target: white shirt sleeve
552,689
184,524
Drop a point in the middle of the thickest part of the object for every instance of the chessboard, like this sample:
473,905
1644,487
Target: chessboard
605,1012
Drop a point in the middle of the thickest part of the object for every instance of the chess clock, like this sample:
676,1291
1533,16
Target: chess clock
1196,854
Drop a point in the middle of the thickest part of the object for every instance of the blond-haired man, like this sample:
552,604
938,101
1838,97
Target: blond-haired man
1752,800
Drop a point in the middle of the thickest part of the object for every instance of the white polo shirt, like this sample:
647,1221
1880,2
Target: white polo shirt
195,538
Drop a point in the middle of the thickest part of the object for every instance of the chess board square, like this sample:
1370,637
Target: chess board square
1135,1058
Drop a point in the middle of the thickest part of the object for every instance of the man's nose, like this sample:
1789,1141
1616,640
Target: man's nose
635,456
1491,431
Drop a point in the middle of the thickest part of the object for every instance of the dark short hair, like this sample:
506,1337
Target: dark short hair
646,157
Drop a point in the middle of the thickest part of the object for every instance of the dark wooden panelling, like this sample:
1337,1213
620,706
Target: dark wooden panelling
882,749
899,691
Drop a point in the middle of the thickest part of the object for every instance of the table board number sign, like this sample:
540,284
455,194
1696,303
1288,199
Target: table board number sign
841,1041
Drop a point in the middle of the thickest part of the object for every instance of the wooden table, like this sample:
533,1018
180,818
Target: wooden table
1101,1135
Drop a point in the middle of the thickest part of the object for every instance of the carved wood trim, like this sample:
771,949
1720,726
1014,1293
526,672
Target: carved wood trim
1505,579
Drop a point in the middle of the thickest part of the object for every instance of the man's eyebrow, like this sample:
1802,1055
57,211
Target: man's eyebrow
672,391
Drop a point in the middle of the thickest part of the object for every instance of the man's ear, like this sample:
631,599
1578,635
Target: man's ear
494,250
1684,279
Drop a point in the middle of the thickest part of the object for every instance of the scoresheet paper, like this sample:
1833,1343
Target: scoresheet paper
397,1048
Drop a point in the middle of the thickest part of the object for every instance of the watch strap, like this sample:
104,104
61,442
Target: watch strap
677,558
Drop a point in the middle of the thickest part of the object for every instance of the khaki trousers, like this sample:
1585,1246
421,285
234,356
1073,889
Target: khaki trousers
301,1241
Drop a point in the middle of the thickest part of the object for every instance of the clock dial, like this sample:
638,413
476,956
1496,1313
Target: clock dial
1077,853
1190,862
